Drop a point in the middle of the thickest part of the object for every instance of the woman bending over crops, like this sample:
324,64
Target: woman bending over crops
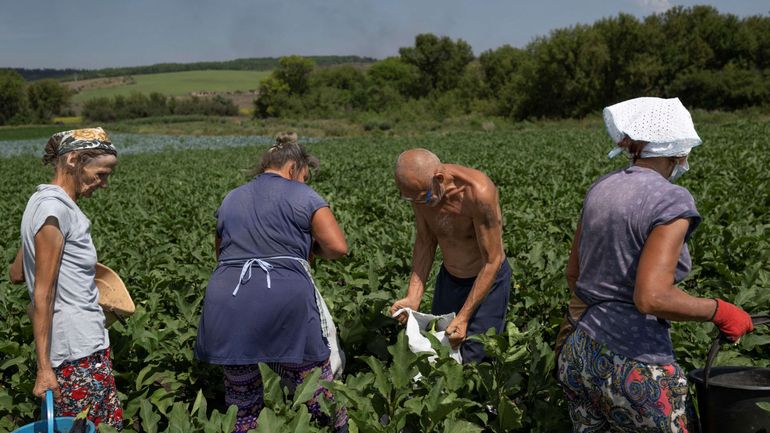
270,227
617,368
57,260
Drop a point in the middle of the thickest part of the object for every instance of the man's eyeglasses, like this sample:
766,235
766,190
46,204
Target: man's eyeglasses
424,200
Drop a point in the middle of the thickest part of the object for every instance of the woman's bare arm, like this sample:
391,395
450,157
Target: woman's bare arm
330,242
16,270
655,292
49,243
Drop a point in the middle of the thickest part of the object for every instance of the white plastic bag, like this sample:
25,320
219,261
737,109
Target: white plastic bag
329,331
419,343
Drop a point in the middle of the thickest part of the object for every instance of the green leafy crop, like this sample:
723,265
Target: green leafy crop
154,225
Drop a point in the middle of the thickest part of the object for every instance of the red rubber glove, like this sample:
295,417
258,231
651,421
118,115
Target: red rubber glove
732,320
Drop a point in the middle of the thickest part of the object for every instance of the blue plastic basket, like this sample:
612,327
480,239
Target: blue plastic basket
50,424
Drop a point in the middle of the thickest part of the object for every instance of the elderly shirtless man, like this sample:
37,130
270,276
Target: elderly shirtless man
457,209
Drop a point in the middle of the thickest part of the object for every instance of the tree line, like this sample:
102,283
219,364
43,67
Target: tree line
709,60
248,64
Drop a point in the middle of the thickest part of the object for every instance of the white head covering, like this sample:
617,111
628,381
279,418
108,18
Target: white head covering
663,123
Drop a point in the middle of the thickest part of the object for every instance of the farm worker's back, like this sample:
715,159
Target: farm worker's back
261,305
628,254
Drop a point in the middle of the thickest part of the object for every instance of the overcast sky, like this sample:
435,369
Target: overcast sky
103,33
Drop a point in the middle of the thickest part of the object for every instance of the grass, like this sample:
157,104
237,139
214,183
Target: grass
68,120
181,84
360,124
30,132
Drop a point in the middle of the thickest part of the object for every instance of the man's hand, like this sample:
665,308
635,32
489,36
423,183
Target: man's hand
46,379
404,303
456,331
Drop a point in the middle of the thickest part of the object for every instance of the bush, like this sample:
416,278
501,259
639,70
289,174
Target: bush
295,72
47,98
138,105
216,106
273,98
99,109
345,77
13,100
730,88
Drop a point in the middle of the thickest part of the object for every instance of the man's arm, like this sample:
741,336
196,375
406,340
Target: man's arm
487,222
16,270
425,245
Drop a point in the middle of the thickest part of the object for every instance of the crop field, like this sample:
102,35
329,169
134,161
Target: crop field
172,83
155,227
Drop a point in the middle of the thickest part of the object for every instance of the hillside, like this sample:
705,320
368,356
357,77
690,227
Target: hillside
233,84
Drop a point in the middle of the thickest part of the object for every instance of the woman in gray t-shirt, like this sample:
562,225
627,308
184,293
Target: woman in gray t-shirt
57,260
617,368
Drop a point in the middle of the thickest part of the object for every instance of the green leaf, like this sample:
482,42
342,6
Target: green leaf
149,418
19,360
433,399
414,405
179,419
381,381
273,393
200,406
228,420
460,426
508,415
268,422
403,362
300,421
214,424
764,405
162,399
452,371
105,428
140,378
307,388
750,341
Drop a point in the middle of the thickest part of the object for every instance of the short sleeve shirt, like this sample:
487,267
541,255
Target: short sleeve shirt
619,212
78,327
270,320
267,217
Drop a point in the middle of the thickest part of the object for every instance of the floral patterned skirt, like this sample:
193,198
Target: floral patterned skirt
89,381
610,392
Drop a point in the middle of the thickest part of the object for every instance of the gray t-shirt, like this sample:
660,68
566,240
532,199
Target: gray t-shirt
78,328
619,212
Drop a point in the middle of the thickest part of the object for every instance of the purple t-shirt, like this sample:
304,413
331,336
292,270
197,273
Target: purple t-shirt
269,216
278,322
619,212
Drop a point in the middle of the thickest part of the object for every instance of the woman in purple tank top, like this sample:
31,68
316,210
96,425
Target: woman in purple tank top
617,367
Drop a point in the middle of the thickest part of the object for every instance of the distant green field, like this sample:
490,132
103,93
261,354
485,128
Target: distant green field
182,83
30,132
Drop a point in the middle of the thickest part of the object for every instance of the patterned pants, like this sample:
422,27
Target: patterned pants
243,388
89,381
609,392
